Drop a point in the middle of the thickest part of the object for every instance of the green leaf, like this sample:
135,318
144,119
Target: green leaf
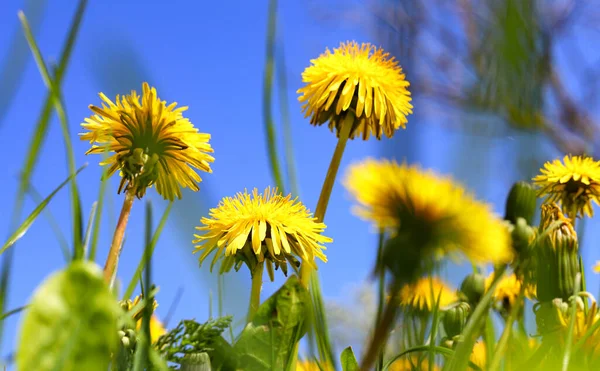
22,229
71,322
348,360
268,341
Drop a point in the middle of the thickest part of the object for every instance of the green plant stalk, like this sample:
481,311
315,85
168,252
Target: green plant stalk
285,118
257,277
98,218
381,332
569,340
464,348
138,271
334,165
380,291
494,363
267,96
117,242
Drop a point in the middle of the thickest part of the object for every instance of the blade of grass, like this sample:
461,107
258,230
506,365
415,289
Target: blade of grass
434,324
98,218
142,356
151,245
288,145
426,348
58,106
3,316
22,229
320,323
88,229
463,350
268,96
380,292
35,145
569,340
62,241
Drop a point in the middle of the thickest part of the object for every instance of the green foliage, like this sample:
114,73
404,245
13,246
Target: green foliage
190,337
268,341
70,323
348,360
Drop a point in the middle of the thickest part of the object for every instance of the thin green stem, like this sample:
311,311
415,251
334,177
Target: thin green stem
268,96
380,291
334,165
117,242
494,364
257,277
569,340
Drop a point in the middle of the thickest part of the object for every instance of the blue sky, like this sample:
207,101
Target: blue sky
209,56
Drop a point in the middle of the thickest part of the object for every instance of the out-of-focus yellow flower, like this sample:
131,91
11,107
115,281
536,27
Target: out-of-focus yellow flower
157,329
257,227
411,364
360,80
418,296
574,182
312,366
386,192
597,267
508,289
479,355
152,143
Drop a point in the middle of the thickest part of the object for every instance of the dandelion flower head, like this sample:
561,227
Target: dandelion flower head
391,195
574,183
360,80
257,227
423,294
151,143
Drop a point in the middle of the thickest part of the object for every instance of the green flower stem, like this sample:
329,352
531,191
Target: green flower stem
381,291
334,165
257,276
382,330
494,364
117,242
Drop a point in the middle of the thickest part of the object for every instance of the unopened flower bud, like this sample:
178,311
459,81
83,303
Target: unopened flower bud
473,287
557,256
455,319
521,203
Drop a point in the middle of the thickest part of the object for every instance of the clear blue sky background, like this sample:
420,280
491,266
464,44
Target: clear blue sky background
208,55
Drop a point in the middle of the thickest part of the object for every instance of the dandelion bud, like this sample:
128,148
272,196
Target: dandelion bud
522,235
557,256
521,203
455,319
473,287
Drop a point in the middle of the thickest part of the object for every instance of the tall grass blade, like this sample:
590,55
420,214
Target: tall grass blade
22,229
35,145
99,207
320,328
268,96
88,229
150,246
290,164
58,106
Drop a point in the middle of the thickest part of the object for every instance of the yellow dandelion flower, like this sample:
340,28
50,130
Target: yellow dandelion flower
479,355
157,329
256,227
507,290
574,182
384,190
419,294
361,80
411,364
152,143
